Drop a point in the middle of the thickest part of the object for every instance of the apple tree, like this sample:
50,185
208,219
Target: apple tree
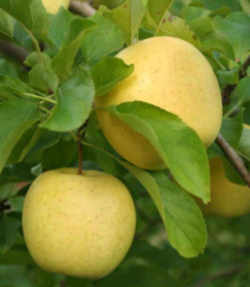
57,59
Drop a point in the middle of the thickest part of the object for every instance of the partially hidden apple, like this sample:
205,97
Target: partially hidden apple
228,199
52,6
169,73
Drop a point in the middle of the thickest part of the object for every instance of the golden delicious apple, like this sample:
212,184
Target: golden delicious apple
52,6
173,75
227,198
78,225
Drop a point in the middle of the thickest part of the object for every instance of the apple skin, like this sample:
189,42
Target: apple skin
78,225
227,198
52,6
169,73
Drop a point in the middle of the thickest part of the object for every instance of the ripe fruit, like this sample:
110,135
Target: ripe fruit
169,73
52,6
227,198
78,225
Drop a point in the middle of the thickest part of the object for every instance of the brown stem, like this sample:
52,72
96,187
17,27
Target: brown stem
82,8
13,50
226,94
62,283
234,158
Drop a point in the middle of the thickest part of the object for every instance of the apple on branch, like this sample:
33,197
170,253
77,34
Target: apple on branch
78,224
173,75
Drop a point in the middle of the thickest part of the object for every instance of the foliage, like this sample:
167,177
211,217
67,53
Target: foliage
48,98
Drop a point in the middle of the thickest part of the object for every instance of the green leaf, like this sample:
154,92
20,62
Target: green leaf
14,276
177,27
9,232
8,68
239,97
182,217
52,157
59,27
16,117
75,99
30,12
169,25
199,19
228,77
103,160
245,4
16,203
105,82
24,145
235,28
104,39
244,144
231,129
179,146
41,75
109,3
64,61
16,256
128,17
8,190
215,5
45,140
11,87
7,24
158,10
16,173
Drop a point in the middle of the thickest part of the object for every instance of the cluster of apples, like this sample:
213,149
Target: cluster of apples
83,224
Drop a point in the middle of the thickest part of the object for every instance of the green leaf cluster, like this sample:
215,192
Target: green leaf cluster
48,101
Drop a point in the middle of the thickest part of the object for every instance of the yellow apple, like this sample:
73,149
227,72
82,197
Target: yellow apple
78,225
227,198
173,75
52,6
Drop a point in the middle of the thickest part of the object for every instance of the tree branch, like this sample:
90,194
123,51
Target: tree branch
82,8
234,158
244,68
13,50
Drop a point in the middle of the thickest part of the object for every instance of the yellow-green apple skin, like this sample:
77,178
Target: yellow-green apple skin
78,225
173,75
52,6
227,198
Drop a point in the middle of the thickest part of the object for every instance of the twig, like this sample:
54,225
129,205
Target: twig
219,274
226,94
244,68
234,158
62,283
13,50
82,8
